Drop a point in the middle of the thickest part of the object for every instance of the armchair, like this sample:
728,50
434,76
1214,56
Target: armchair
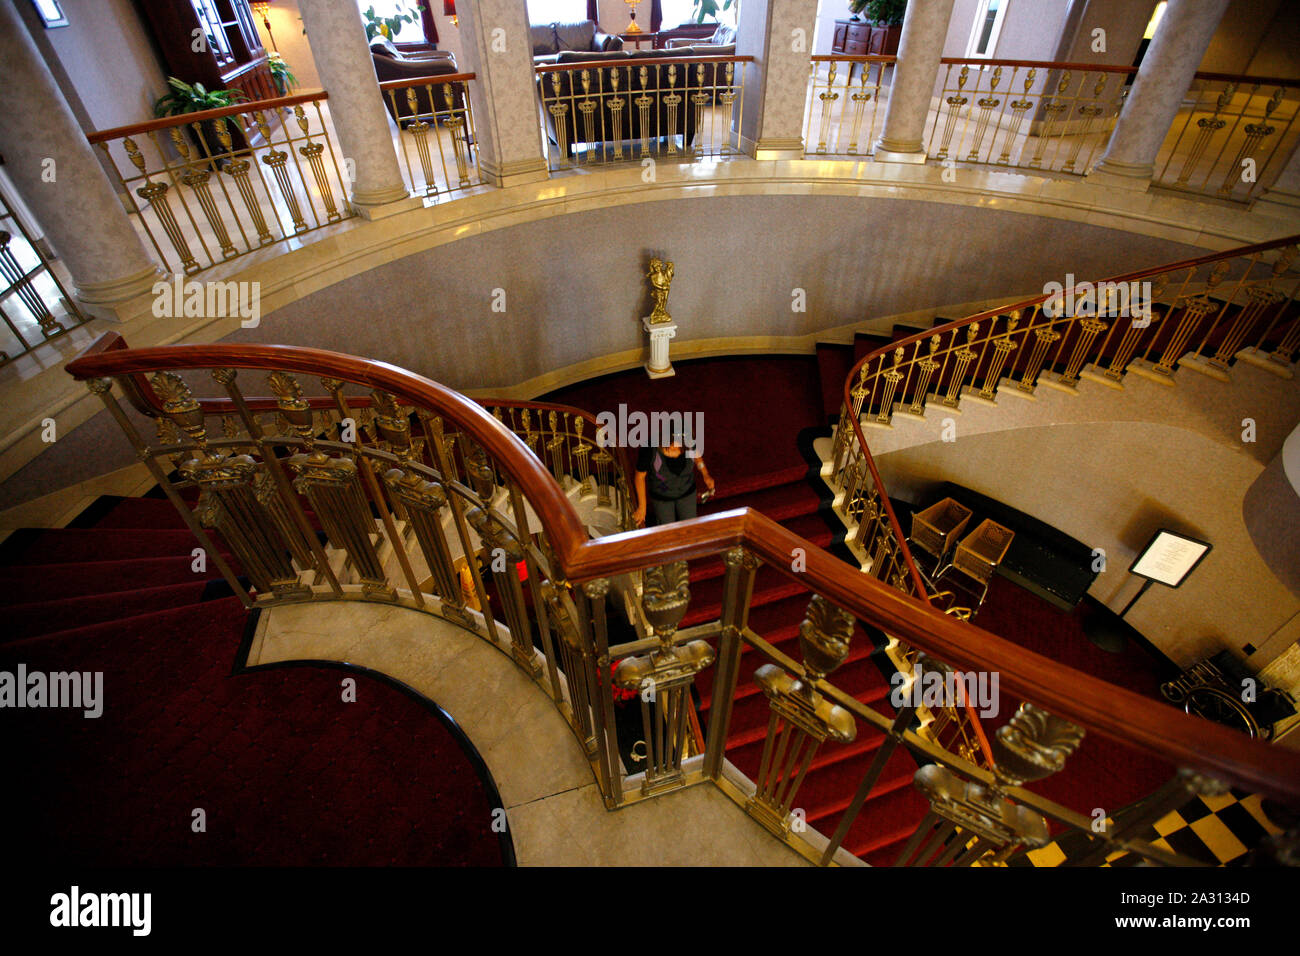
393,64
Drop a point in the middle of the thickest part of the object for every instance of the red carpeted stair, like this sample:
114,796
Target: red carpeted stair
284,771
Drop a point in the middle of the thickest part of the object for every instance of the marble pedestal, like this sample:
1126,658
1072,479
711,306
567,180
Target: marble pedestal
660,333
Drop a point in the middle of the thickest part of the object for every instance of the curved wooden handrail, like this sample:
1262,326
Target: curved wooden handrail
1040,64
426,80
1122,715
638,61
167,122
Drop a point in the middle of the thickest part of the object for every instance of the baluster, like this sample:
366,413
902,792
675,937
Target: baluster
987,105
737,593
1019,108
927,366
504,554
801,719
964,356
663,678
955,104
1003,346
891,380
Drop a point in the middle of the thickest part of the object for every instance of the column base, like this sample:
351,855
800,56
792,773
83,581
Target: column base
659,365
885,155
778,149
513,173
373,211
109,300
1108,172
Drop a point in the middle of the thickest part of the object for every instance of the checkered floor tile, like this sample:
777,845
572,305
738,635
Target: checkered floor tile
1214,830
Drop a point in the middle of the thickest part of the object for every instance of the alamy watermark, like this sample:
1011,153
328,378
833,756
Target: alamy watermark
1115,300
213,300
36,689
624,429
76,908
978,689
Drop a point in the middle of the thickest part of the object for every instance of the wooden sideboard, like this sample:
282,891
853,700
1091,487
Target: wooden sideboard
860,38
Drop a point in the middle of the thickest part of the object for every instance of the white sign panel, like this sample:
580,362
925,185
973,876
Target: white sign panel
1168,558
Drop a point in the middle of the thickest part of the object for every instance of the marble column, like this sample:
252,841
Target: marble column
1282,199
1171,60
342,56
503,95
778,34
925,28
59,179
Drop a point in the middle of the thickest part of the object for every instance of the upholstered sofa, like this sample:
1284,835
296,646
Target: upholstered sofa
563,88
394,64
551,39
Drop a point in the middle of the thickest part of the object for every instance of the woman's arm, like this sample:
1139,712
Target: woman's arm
639,514
704,472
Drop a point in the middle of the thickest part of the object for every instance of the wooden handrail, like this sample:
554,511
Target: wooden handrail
639,61
167,122
426,80
1040,64
1119,714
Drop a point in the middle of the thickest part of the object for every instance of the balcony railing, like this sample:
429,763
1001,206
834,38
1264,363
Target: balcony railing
685,107
1233,140
316,501
846,98
437,142
209,187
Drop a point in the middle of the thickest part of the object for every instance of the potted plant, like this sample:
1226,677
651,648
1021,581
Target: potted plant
281,75
388,27
886,17
856,7
710,8
185,98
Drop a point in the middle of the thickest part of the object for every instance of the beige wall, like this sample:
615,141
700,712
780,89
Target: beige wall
575,288
112,75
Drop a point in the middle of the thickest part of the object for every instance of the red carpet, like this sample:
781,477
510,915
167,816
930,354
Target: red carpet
285,772
773,476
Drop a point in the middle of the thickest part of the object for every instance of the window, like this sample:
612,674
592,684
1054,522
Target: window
677,12
1154,23
409,32
557,11
988,23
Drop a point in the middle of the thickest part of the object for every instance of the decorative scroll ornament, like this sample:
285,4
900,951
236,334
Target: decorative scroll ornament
824,640
1034,745
666,595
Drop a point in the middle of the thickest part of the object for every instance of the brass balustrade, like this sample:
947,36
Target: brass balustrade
1233,138
397,507
845,110
1025,114
686,108
212,186
437,129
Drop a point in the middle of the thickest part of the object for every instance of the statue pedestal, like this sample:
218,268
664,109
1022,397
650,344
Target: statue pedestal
660,333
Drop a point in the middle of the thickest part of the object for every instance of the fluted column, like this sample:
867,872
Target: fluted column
778,35
61,181
342,55
925,27
1167,69
498,50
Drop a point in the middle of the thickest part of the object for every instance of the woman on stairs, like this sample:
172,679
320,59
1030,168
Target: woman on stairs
667,473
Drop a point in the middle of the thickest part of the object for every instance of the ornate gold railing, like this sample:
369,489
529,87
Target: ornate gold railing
1026,113
438,146
1233,139
660,107
212,186
392,509
846,104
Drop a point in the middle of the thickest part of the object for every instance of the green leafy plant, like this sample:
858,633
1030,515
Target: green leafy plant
184,98
710,8
882,12
281,75
388,27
